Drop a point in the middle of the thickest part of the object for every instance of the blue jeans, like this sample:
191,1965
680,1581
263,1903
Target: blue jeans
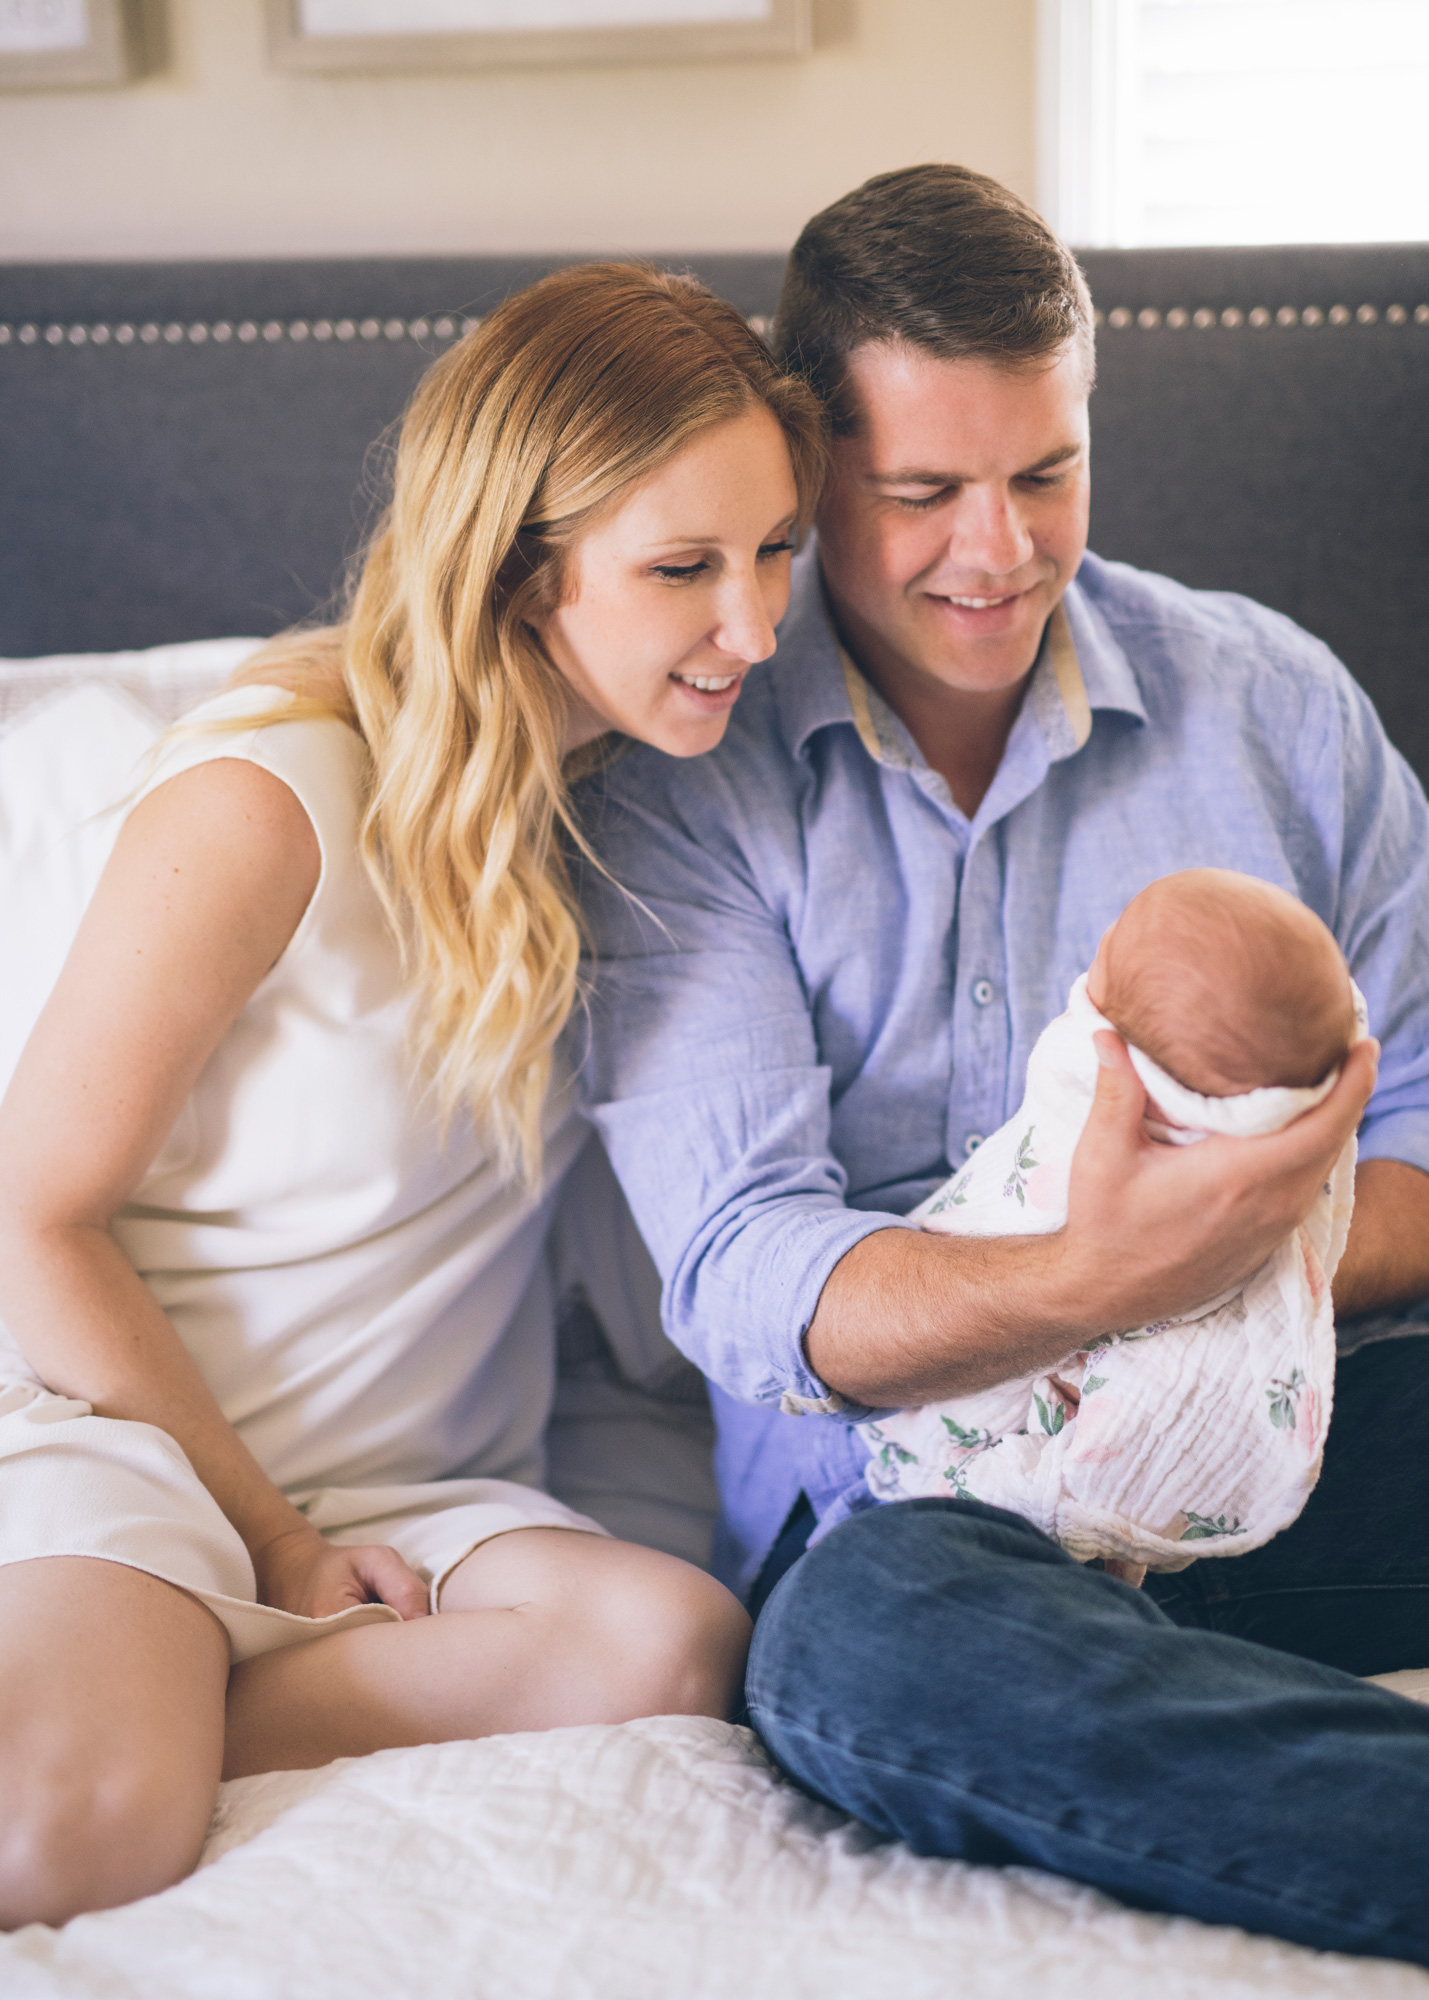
944,1672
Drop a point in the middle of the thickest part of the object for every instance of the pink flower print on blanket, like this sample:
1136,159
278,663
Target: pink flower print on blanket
1098,1436
1293,1406
1046,1187
1309,1430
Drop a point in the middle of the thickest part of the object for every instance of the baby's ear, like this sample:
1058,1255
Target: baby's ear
1096,972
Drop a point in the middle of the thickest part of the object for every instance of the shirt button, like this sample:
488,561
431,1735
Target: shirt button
972,1142
982,992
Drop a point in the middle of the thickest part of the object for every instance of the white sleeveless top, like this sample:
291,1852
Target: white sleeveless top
367,1302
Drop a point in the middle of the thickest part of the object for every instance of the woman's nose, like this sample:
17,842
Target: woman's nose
745,629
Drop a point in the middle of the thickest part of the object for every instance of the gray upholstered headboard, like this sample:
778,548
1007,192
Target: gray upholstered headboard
187,448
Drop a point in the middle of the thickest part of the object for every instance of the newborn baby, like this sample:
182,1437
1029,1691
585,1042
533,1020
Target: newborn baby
1200,1435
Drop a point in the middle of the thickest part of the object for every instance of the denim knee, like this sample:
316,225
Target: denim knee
928,1621
892,1591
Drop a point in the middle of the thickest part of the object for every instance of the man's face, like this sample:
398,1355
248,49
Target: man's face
956,516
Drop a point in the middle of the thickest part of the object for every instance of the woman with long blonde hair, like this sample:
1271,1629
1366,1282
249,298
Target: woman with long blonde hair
277,1160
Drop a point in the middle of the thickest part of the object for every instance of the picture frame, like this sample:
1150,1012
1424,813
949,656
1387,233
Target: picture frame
75,44
312,35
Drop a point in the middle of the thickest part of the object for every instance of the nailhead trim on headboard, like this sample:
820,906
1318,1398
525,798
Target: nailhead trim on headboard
124,334
1149,318
447,326
444,326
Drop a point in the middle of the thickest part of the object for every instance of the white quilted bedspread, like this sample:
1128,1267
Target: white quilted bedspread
661,1860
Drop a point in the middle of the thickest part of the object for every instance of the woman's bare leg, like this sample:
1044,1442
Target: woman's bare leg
111,1735
538,1628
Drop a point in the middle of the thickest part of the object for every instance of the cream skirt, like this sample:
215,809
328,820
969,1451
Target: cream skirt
73,1484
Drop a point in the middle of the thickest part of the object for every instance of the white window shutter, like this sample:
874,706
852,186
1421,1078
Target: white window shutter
1234,121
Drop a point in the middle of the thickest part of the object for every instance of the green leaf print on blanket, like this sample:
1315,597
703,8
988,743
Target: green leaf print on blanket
1201,1527
1053,1421
972,1444
1284,1397
952,1197
1022,1166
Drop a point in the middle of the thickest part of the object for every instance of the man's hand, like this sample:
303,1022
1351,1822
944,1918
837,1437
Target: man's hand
908,1318
1153,1230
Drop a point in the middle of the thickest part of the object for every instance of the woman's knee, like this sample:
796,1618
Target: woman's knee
697,1667
642,1633
109,1748
77,1838
664,1638
673,1640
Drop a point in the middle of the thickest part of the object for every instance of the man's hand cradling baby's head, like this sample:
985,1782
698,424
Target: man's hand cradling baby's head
1226,982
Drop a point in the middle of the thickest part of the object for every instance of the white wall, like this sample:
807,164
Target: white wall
218,156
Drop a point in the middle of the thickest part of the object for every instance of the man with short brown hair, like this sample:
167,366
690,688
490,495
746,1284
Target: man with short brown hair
849,923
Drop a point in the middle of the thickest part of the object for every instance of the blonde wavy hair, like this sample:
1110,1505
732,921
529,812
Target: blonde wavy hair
514,442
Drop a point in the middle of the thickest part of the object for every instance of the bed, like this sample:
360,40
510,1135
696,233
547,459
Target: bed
192,454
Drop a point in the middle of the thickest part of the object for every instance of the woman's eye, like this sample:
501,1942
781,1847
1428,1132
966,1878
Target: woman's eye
775,549
679,572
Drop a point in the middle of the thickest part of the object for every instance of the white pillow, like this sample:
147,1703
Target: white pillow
74,730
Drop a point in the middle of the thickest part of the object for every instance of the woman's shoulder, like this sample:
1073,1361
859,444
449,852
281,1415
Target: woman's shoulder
297,738
308,664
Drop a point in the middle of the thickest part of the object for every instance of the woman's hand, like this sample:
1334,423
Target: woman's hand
298,1571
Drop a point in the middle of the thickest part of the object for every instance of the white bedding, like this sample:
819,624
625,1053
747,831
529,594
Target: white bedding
661,1860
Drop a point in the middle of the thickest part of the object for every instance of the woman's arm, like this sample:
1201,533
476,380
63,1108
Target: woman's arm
208,881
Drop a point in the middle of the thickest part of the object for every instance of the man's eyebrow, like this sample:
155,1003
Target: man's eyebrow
915,475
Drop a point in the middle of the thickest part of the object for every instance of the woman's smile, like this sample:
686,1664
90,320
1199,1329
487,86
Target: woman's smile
713,694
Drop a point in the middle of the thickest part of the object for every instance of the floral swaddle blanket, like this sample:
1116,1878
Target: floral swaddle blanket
1200,1435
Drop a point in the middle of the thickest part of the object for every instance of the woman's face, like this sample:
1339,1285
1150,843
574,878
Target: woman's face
674,594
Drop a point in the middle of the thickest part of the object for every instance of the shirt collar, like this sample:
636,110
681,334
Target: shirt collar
1080,669
809,684
1107,674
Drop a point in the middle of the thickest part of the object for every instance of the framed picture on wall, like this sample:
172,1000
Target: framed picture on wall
481,34
72,44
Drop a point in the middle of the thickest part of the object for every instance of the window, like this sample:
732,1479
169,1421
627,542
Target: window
1234,121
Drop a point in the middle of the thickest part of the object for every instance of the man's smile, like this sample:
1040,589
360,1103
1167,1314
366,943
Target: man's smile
986,612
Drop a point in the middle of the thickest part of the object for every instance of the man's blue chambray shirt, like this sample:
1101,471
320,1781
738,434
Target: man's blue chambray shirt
824,983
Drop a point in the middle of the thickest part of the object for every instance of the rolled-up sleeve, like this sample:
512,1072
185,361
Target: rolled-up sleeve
1382,915
702,1073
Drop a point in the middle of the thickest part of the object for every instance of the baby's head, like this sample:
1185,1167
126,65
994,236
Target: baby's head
1227,983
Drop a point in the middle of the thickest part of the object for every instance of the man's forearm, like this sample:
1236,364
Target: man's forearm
908,1318
1386,1260
1152,1231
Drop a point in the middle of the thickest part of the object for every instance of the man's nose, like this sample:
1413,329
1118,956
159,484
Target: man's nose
989,533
